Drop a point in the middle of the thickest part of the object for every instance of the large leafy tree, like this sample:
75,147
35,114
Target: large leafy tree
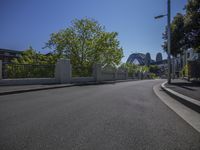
86,42
192,24
177,35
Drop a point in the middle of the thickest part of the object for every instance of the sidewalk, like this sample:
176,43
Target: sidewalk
188,93
186,88
4,90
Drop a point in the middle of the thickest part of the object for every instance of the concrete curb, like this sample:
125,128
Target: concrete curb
188,101
33,89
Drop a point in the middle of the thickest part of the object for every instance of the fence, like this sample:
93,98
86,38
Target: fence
12,71
61,72
108,73
194,69
82,71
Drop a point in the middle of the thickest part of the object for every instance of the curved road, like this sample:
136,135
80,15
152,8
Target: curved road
121,116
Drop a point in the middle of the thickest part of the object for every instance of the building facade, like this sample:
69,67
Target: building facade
6,55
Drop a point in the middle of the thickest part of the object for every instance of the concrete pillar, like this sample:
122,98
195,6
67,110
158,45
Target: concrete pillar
97,72
1,69
63,71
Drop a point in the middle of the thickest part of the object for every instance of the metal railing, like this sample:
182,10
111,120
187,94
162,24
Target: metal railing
80,71
11,71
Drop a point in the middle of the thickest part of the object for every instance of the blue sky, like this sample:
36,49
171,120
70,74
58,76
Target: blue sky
30,22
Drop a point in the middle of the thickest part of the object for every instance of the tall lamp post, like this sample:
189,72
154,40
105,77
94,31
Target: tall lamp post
168,37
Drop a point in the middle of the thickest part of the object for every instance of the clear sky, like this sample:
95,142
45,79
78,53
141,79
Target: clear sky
30,22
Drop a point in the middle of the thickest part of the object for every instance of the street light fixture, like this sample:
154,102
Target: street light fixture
168,37
160,16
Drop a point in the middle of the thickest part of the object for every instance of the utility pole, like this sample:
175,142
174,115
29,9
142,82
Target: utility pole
169,39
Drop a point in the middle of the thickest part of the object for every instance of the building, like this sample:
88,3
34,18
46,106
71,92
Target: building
181,60
158,57
6,55
148,59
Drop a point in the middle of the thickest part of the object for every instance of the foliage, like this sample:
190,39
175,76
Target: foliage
177,35
154,69
185,29
30,56
31,64
192,24
152,76
143,69
184,71
131,68
85,43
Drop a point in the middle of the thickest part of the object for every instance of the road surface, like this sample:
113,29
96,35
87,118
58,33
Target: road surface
121,116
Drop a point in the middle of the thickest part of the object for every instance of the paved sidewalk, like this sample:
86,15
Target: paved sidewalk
186,88
4,90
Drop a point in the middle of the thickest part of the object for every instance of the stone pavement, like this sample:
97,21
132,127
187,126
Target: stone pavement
184,87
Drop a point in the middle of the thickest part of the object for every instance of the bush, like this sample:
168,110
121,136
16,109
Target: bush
184,71
152,76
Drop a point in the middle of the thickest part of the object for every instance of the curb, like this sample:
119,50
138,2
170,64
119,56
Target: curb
34,89
188,101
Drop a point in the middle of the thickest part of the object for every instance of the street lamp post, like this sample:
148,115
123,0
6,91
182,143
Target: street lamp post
168,37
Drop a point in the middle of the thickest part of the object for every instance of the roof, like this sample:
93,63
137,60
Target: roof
10,51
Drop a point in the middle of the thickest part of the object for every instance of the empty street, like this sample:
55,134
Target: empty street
118,116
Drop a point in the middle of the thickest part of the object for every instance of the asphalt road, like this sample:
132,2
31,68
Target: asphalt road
121,116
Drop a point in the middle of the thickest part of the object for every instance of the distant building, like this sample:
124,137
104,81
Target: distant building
158,57
6,55
147,59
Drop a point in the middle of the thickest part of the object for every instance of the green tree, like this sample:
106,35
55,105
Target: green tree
192,24
177,35
86,42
